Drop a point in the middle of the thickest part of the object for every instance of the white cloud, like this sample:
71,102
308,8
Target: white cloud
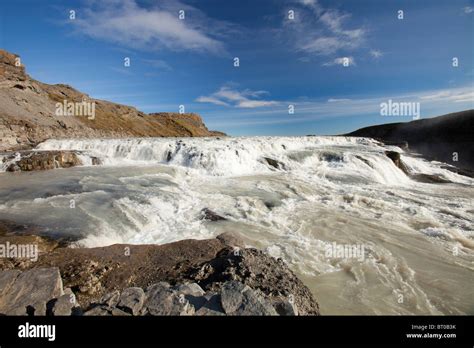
376,54
334,36
338,100
312,4
158,63
126,23
344,61
433,103
226,96
456,96
323,45
468,9
212,100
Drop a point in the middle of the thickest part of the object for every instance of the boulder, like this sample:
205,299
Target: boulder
63,305
21,290
193,293
110,299
116,312
285,307
208,214
7,279
253,303
275,163
213,306
396,159
232,296
190,289
98,311
332,157
131,300
239,299
162,300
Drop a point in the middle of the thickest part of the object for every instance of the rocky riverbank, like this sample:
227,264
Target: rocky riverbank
27,161
202,277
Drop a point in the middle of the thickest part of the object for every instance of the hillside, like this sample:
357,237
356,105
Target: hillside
28,114
436,138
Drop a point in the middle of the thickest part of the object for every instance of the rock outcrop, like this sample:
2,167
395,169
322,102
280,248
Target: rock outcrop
446,138
420,177
190,277
396,159
29,113
40,160
208,214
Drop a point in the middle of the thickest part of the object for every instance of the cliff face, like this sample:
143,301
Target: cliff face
29,113
439,138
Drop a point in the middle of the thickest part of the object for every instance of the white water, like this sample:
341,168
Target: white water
418,238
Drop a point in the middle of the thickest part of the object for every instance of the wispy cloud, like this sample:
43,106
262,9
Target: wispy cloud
329,33
456,96
323,45
468,9
312,4
127,23
338,100
376,54
344,61
122,70
158,64
433,102
227,96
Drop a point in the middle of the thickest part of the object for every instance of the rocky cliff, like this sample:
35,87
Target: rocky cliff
446,138
32,111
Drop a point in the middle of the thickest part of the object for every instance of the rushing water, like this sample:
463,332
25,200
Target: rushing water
418,238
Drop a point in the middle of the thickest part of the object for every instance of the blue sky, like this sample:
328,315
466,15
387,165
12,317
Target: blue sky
283,61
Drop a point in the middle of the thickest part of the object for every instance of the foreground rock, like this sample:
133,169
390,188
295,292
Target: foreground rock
190,277
254,268
233,298
22,293
39,292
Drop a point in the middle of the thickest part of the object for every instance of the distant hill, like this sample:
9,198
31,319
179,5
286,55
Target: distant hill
28,113
436,138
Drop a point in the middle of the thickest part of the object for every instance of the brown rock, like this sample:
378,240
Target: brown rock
396,159
43,160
